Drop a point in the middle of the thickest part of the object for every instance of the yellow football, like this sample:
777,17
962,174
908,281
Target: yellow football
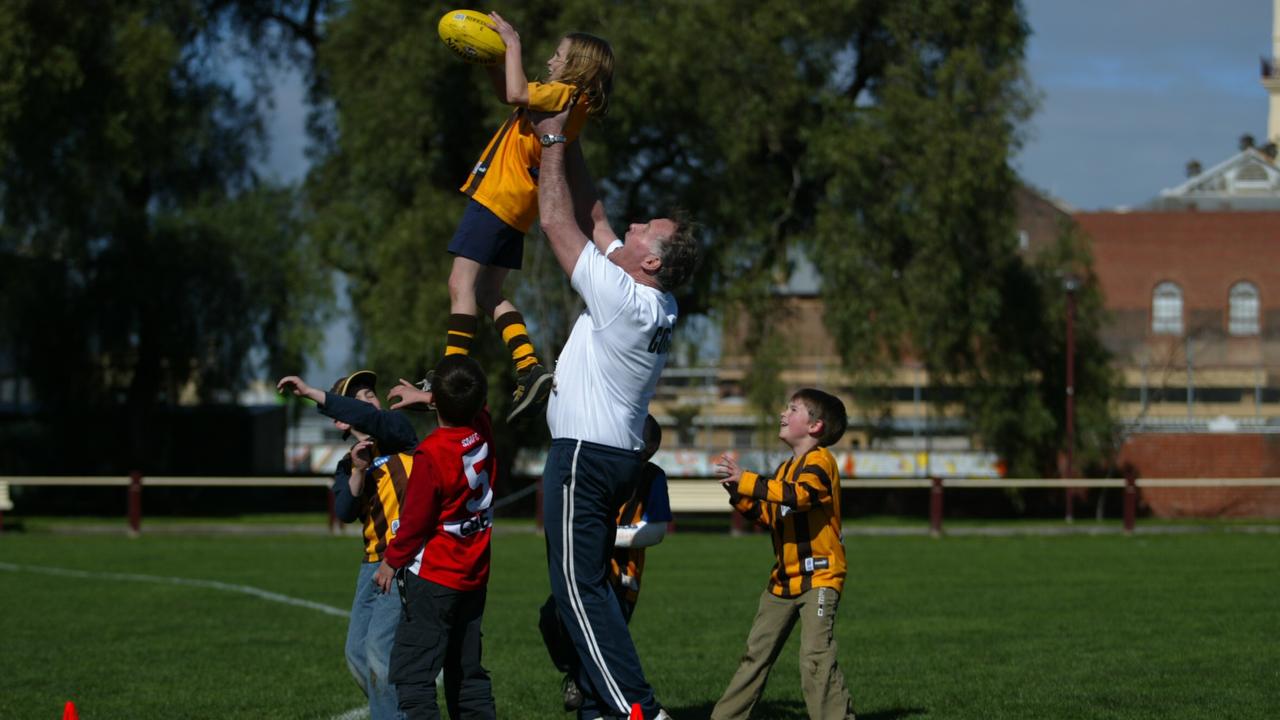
468,35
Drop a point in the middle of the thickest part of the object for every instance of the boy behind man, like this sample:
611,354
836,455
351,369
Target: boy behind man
801,504
440,554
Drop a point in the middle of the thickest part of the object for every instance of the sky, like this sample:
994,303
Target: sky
1130,91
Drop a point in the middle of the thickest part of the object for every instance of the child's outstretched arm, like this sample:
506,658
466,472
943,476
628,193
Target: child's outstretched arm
812,484
730,475
508,78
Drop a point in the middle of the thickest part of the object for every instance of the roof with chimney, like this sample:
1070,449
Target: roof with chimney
1248,180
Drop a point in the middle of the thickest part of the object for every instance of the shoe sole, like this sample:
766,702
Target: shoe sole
531,398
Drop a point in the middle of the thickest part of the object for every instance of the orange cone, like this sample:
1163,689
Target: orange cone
69,712
636,713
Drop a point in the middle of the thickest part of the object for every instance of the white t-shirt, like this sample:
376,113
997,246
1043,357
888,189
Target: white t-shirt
609,367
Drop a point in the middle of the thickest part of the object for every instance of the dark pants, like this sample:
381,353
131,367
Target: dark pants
556,637
583,486
440,628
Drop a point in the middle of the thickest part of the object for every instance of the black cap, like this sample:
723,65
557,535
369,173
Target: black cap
349,385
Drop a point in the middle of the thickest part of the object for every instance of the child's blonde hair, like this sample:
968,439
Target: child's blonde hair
588,66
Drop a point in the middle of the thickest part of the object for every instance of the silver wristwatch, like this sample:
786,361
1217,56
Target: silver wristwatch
549,140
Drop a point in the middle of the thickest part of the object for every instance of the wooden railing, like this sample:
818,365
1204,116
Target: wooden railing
688,495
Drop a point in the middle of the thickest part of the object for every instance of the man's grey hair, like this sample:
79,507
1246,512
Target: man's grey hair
679,253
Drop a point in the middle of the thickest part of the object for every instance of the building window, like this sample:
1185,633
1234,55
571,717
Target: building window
1251,174
1166,309
1242,314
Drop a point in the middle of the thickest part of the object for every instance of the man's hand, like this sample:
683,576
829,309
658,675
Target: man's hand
384,576
407,395
728,471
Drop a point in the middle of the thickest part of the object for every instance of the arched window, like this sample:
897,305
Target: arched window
1166,309
1243,309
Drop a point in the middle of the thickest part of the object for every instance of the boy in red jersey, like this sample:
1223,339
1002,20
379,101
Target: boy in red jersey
440,555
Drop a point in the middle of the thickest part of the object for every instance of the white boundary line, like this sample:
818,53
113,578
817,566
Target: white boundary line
188,582
353,714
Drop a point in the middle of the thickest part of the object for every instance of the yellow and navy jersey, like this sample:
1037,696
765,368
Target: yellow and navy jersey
384,487
505,179
801,504
649,502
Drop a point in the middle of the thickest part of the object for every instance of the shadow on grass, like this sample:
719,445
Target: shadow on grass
776,710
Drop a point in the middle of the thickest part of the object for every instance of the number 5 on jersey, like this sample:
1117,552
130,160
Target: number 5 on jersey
478,480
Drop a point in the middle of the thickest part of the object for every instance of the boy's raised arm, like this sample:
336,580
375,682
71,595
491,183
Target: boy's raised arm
391,429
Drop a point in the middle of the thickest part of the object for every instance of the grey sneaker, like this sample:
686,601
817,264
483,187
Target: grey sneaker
572,695
532,390
425,386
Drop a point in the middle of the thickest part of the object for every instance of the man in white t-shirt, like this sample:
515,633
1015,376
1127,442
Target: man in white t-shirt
605,376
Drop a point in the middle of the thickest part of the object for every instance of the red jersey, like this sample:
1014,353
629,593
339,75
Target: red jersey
446,519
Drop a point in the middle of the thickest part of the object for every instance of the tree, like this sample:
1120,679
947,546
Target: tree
147,259
874,136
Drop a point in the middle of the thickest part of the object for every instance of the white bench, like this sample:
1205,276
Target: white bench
698,495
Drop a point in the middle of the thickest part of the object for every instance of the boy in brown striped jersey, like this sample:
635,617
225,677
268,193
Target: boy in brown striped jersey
801,504
368,484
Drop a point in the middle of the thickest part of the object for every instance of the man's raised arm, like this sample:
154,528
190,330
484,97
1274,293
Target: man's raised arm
555,200
592,219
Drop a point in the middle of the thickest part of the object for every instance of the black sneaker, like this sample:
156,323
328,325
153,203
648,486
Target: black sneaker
572,695
532,390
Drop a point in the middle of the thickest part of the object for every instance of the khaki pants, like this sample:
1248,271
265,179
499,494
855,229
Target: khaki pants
825,694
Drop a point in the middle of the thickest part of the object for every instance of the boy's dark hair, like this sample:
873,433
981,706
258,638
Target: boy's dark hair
827,408
460,389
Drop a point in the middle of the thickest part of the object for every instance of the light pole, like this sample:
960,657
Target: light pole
1070,283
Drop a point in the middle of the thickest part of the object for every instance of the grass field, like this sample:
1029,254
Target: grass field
1160,626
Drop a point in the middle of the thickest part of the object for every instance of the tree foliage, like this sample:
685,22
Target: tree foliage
873,136
146,259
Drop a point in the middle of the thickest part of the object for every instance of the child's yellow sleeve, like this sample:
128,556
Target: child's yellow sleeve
751,508
549,97
811,487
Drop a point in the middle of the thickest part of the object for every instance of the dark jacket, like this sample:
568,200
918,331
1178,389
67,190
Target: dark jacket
390,429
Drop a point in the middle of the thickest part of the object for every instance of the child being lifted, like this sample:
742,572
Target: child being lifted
503,188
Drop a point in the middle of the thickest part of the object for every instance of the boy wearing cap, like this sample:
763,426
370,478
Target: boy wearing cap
369,483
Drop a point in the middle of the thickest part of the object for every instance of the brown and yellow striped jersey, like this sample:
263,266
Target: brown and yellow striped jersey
384,488
801,504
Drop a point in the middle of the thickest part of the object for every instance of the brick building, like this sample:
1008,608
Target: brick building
1194,305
